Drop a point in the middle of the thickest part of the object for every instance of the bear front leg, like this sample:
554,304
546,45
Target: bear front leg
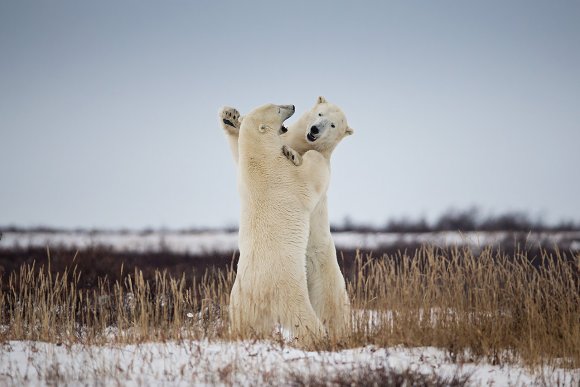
315,171
230,120
292,155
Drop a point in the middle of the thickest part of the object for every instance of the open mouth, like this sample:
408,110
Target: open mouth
310,137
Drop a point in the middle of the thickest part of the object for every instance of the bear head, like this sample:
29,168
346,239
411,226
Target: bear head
267,118
326,126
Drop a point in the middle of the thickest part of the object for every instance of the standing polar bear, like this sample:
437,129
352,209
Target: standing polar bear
277,198
321,129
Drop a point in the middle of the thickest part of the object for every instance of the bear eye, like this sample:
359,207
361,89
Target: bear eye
333,125
319,114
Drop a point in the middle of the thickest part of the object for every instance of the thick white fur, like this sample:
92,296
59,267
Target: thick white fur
326,286
277,198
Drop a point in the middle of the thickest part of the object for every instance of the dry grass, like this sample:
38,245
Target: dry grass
485,306
374,376
492,306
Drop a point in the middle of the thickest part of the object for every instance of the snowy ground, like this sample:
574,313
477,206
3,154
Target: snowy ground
245,363
242,363
227,242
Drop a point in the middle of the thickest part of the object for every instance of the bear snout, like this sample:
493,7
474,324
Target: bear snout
314,129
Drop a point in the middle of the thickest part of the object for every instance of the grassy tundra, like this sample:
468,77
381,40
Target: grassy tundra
476,306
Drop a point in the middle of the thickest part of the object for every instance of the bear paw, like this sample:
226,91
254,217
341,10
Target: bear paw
230,120
292,155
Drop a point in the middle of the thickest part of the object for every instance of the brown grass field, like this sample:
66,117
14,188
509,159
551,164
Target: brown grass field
477,306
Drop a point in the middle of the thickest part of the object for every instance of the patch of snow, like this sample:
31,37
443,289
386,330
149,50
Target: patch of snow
227,242
175,242
241,363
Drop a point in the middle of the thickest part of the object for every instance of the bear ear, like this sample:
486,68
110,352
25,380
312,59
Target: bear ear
349,131
321,99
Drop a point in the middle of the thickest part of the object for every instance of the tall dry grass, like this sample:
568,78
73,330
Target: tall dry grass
491,305
477,306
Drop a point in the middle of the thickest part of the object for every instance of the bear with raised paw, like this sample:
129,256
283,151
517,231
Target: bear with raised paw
321,129
277,197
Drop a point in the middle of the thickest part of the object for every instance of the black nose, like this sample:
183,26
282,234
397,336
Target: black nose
314,130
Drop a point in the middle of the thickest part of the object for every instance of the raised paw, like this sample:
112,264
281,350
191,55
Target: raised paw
292,155
230,119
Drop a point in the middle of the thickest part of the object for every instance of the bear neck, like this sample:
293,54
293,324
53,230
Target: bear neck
256,146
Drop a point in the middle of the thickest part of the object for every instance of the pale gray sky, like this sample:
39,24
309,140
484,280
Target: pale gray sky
108,109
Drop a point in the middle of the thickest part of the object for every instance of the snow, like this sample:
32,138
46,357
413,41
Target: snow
175,242
227,242
240,363
25,363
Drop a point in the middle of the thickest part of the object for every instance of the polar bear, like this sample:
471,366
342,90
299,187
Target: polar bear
277,198
321,128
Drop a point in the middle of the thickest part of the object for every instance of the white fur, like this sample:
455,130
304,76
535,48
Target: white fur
277,199
326,286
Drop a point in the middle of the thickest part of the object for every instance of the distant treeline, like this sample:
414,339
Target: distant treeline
463,220
469,219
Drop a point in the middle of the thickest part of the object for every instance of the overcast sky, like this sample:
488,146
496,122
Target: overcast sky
108,109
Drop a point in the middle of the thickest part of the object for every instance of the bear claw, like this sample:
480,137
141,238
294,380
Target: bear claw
292,155
230,119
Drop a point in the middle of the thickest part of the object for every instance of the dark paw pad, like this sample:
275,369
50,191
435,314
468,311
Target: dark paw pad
228,122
